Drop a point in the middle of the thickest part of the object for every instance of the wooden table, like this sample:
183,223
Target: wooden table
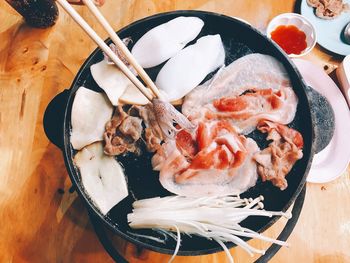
42,223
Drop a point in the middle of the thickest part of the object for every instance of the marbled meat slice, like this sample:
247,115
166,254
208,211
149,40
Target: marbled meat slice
276,161
153,135
125,131
121,133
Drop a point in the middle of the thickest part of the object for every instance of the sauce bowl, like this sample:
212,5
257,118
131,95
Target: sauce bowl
301,23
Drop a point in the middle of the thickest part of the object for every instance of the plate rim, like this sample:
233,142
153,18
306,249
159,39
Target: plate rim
309,64
303,4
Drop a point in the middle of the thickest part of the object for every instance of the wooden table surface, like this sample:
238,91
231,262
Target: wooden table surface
40,223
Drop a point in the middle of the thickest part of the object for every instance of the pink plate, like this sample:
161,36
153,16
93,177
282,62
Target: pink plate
332,161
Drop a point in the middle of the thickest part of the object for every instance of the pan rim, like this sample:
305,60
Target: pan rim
71,169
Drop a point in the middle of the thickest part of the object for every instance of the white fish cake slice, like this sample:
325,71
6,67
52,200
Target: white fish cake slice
109,78
164,41
102,177
190,66
90,112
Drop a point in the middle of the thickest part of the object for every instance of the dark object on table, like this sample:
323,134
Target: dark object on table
346,34
37,13
324,119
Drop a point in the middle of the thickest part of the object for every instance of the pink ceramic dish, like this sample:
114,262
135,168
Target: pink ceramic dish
332,161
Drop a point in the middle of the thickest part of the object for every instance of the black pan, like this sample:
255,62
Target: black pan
239,39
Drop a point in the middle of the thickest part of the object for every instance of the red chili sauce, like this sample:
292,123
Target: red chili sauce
290,39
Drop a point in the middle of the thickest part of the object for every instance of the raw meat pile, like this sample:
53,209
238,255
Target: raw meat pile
252,92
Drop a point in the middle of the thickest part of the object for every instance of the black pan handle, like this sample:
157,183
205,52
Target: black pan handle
105,241
287,230
54,118
270,252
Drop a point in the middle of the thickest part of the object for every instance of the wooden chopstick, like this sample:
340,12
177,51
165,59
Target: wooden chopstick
93,35
119,43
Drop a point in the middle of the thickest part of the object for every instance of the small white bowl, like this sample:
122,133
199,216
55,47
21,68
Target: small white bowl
301,23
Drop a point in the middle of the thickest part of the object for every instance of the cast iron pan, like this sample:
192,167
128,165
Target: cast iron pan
239,39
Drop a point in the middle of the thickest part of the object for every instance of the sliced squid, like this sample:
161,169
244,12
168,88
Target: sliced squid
102,177
90,113
164,41
190,66
256,71
217,161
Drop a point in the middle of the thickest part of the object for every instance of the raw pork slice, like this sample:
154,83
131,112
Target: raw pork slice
90,113
245,111
250,89
256,71
102,177
217,161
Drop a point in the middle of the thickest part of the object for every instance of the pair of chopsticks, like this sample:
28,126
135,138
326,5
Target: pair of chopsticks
119,44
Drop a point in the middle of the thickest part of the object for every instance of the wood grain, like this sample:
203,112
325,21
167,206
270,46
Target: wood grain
41,220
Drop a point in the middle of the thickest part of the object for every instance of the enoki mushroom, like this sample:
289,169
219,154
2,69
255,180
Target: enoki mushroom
215,218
